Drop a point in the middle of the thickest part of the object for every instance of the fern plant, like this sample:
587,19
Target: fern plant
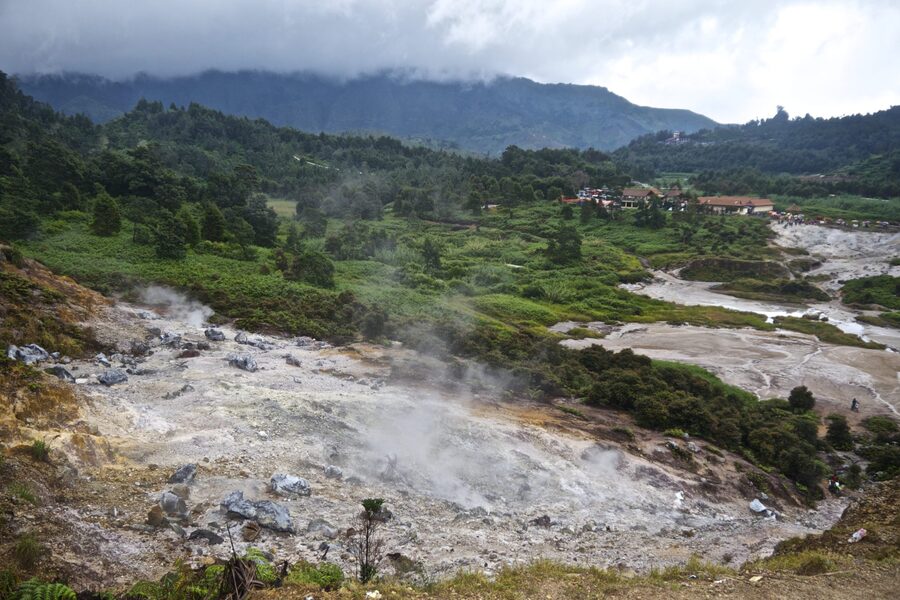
35,589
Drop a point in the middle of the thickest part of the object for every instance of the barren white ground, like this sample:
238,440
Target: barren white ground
771,363
467,478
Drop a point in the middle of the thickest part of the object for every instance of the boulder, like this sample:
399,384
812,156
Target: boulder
542,521
61,373
184,474
245,362
30,354
289,485
292,360
112,377
333,472
101,359
173,505
214,335
323,527
139,348
170,339
203,346
213,538
242,338
265,512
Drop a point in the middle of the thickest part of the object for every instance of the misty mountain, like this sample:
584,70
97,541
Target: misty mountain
480,117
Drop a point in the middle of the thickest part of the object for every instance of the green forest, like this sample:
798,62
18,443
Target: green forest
466,259
781,155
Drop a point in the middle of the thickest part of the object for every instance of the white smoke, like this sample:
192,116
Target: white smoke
176,305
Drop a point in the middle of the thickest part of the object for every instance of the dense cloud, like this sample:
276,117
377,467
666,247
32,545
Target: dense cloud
730,60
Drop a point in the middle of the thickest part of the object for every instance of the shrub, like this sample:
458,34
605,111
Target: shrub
28,551
880,425
265,570
313,267
39,450
801,399
107,219
838,434
325,575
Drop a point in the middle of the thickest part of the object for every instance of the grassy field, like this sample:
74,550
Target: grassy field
846,207
283,207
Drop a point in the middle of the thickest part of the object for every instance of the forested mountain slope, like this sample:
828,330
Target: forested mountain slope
481,117
858,153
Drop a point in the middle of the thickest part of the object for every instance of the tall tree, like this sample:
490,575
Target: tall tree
107,219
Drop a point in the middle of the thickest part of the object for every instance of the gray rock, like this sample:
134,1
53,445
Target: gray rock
245,362
214,335
30,354
203,346
182,390
265,512
101,358
322,527
60,372
243,338
292,360
289,485
173,505
139,348
112,377
693,447
333,472
184,474
170,339
213,538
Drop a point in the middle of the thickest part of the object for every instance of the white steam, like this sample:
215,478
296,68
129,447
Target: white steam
176,305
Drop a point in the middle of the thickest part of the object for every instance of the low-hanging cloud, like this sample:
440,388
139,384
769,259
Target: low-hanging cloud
730,60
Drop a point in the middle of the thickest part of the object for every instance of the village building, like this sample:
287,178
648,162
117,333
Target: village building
741,205
633,197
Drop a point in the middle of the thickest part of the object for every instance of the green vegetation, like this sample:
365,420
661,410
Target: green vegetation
723,269
326,576
35,589
39,450
770,156
22,491
783,290
28,551
826,332
882,290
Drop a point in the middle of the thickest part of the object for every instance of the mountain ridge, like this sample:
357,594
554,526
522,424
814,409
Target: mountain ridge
483,117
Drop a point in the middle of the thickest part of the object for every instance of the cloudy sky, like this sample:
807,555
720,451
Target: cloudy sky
731,60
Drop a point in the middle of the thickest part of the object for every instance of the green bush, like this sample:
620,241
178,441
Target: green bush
265,570
327,576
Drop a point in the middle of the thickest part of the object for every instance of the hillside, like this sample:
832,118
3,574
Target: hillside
480,117
801,156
